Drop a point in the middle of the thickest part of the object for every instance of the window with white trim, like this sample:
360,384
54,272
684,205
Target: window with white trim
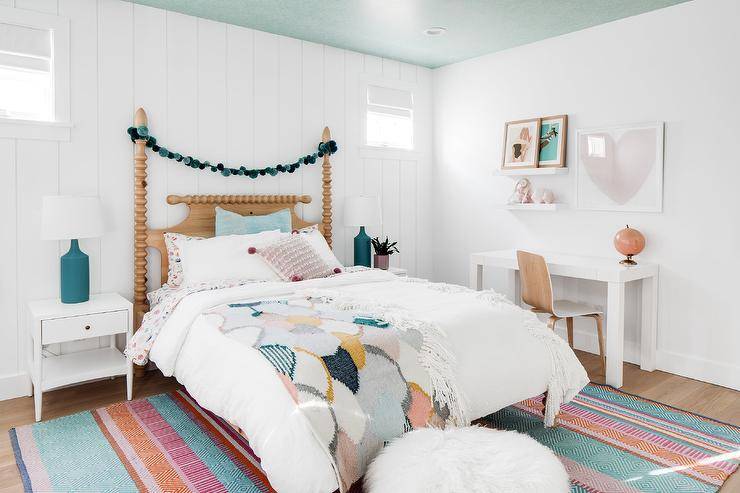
389,117
26,79
34,70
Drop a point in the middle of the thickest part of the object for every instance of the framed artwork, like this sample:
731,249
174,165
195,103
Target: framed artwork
620,168
521,144
553,138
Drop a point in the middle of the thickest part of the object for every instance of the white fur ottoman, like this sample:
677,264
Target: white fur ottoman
470,460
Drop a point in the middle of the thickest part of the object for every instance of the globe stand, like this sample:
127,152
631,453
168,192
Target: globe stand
628,261
629,242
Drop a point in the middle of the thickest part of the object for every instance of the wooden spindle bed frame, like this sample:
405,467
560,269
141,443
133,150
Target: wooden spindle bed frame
201,217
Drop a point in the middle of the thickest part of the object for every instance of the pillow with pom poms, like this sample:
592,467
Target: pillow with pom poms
318,242
294,259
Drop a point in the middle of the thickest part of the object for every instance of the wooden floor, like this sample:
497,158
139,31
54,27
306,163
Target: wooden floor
698,397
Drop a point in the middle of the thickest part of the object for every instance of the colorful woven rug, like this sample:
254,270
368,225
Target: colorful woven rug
163,443
609,441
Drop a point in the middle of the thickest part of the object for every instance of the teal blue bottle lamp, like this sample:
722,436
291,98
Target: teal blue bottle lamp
362,212
72,218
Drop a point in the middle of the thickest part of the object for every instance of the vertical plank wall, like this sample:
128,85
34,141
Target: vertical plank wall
214,90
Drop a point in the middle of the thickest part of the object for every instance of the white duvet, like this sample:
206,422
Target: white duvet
503,355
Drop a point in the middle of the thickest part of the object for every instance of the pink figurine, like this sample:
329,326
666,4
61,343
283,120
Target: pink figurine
522,192
547,197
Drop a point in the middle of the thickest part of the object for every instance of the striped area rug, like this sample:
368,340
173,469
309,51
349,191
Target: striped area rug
609,441
165,443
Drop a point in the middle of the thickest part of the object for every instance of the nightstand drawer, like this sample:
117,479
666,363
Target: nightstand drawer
83,326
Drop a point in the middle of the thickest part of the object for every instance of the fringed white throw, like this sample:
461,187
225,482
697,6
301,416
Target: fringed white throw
362,374
568,376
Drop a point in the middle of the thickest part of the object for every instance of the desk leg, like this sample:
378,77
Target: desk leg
649,329
476,277
615,334
515,286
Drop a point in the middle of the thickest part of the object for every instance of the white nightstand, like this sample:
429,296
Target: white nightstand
54,322
398,271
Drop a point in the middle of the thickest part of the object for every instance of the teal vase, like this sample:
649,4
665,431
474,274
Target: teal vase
75,269
362,248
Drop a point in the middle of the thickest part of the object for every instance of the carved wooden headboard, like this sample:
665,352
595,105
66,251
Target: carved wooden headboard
201,217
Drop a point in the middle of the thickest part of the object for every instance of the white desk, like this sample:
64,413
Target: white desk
607,270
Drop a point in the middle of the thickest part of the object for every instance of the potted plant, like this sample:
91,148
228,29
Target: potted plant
383,250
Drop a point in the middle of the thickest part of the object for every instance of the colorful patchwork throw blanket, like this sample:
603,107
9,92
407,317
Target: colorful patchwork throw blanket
360,380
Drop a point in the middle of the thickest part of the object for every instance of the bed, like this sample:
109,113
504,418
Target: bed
491,352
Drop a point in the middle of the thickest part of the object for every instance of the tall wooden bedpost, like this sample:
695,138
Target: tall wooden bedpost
326,190
141,306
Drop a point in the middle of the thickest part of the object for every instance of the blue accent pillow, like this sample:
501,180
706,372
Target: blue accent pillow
231,223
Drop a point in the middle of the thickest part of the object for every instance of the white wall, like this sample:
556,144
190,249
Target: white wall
214,90
678,65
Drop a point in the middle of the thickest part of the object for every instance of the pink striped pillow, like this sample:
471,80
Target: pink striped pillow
294,259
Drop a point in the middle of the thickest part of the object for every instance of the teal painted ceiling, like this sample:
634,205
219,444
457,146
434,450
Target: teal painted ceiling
395,28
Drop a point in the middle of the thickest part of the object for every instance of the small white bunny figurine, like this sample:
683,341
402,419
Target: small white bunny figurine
547,197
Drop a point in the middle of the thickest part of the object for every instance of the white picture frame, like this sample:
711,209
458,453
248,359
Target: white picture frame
620,167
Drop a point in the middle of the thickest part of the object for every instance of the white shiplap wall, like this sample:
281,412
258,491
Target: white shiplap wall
214,90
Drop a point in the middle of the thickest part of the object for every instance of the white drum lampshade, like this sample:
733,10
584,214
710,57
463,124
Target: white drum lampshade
65,217
362,211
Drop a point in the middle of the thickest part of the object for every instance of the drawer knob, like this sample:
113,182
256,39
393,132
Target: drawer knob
87,327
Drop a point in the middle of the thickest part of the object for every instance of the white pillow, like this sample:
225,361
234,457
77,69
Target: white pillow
228,257
318,242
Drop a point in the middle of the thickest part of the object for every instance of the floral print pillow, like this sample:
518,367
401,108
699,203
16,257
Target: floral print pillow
174,242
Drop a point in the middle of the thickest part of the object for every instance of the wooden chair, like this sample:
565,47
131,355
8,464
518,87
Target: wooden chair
537,292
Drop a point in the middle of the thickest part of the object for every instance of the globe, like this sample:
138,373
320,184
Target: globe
629,242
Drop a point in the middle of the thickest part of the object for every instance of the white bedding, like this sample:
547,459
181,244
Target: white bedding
503,353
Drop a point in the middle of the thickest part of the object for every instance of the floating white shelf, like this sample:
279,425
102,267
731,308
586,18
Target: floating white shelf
532,171
534,207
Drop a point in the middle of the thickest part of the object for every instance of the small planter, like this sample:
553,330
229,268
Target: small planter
383,250
381,261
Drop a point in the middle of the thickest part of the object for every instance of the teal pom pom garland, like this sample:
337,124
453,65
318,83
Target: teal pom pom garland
323,149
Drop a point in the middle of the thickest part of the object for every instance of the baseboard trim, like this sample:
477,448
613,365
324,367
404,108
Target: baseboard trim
589,342
715,372
15,385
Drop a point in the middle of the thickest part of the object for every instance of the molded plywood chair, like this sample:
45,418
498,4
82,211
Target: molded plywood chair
537,292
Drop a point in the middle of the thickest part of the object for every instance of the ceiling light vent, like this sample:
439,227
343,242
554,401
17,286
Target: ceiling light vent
435,31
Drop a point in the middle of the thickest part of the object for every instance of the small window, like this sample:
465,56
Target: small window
390,120
26,80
